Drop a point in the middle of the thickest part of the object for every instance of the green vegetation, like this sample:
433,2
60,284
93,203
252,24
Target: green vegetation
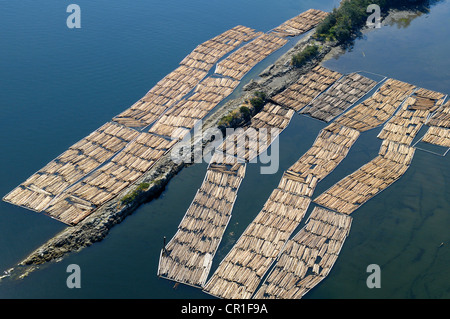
306,55
244,113
130,197
258,101
343,24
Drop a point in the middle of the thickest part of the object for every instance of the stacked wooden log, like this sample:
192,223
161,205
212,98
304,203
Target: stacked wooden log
240,62
161,97
441,117
339,97
329,149
407,122
109,180
205,55
75,163
357,188
438,136
308,257
240,272
439,130
378,108
188,256
180,119
249,142
193,68
307,88
301,23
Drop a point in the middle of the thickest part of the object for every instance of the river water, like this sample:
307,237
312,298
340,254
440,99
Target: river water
58,85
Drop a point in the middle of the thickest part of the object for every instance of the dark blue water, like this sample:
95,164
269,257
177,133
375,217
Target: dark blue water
57,85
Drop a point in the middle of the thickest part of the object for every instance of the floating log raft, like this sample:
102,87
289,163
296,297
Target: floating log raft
249,142
179,120
407,122
240,272
357,188
187,258
193,68
161,97
378,108
245,58
308,257
109,180
329,149
307,88
339,97
441,117
79,160
438,136
205,55
300,24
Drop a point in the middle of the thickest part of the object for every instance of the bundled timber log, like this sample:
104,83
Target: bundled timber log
357,188
314,249
72,165
438,136
307,88
248,143
200,231
300,24
245,58
205,55
441,117
407,122
378,108
339,97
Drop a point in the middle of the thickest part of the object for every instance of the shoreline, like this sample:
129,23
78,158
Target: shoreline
95,227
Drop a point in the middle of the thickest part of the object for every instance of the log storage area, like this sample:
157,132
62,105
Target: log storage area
441,117
329,149
240,62
378,108
439,130
205,55
241,271
161,97
108,181
180,119
249,142
407,122
339,97
438,136
41,188
187,258
307,88
308,257
300,24
193,68
357,188
171,108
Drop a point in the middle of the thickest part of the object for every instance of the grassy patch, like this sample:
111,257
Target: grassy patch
131,197
306,55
